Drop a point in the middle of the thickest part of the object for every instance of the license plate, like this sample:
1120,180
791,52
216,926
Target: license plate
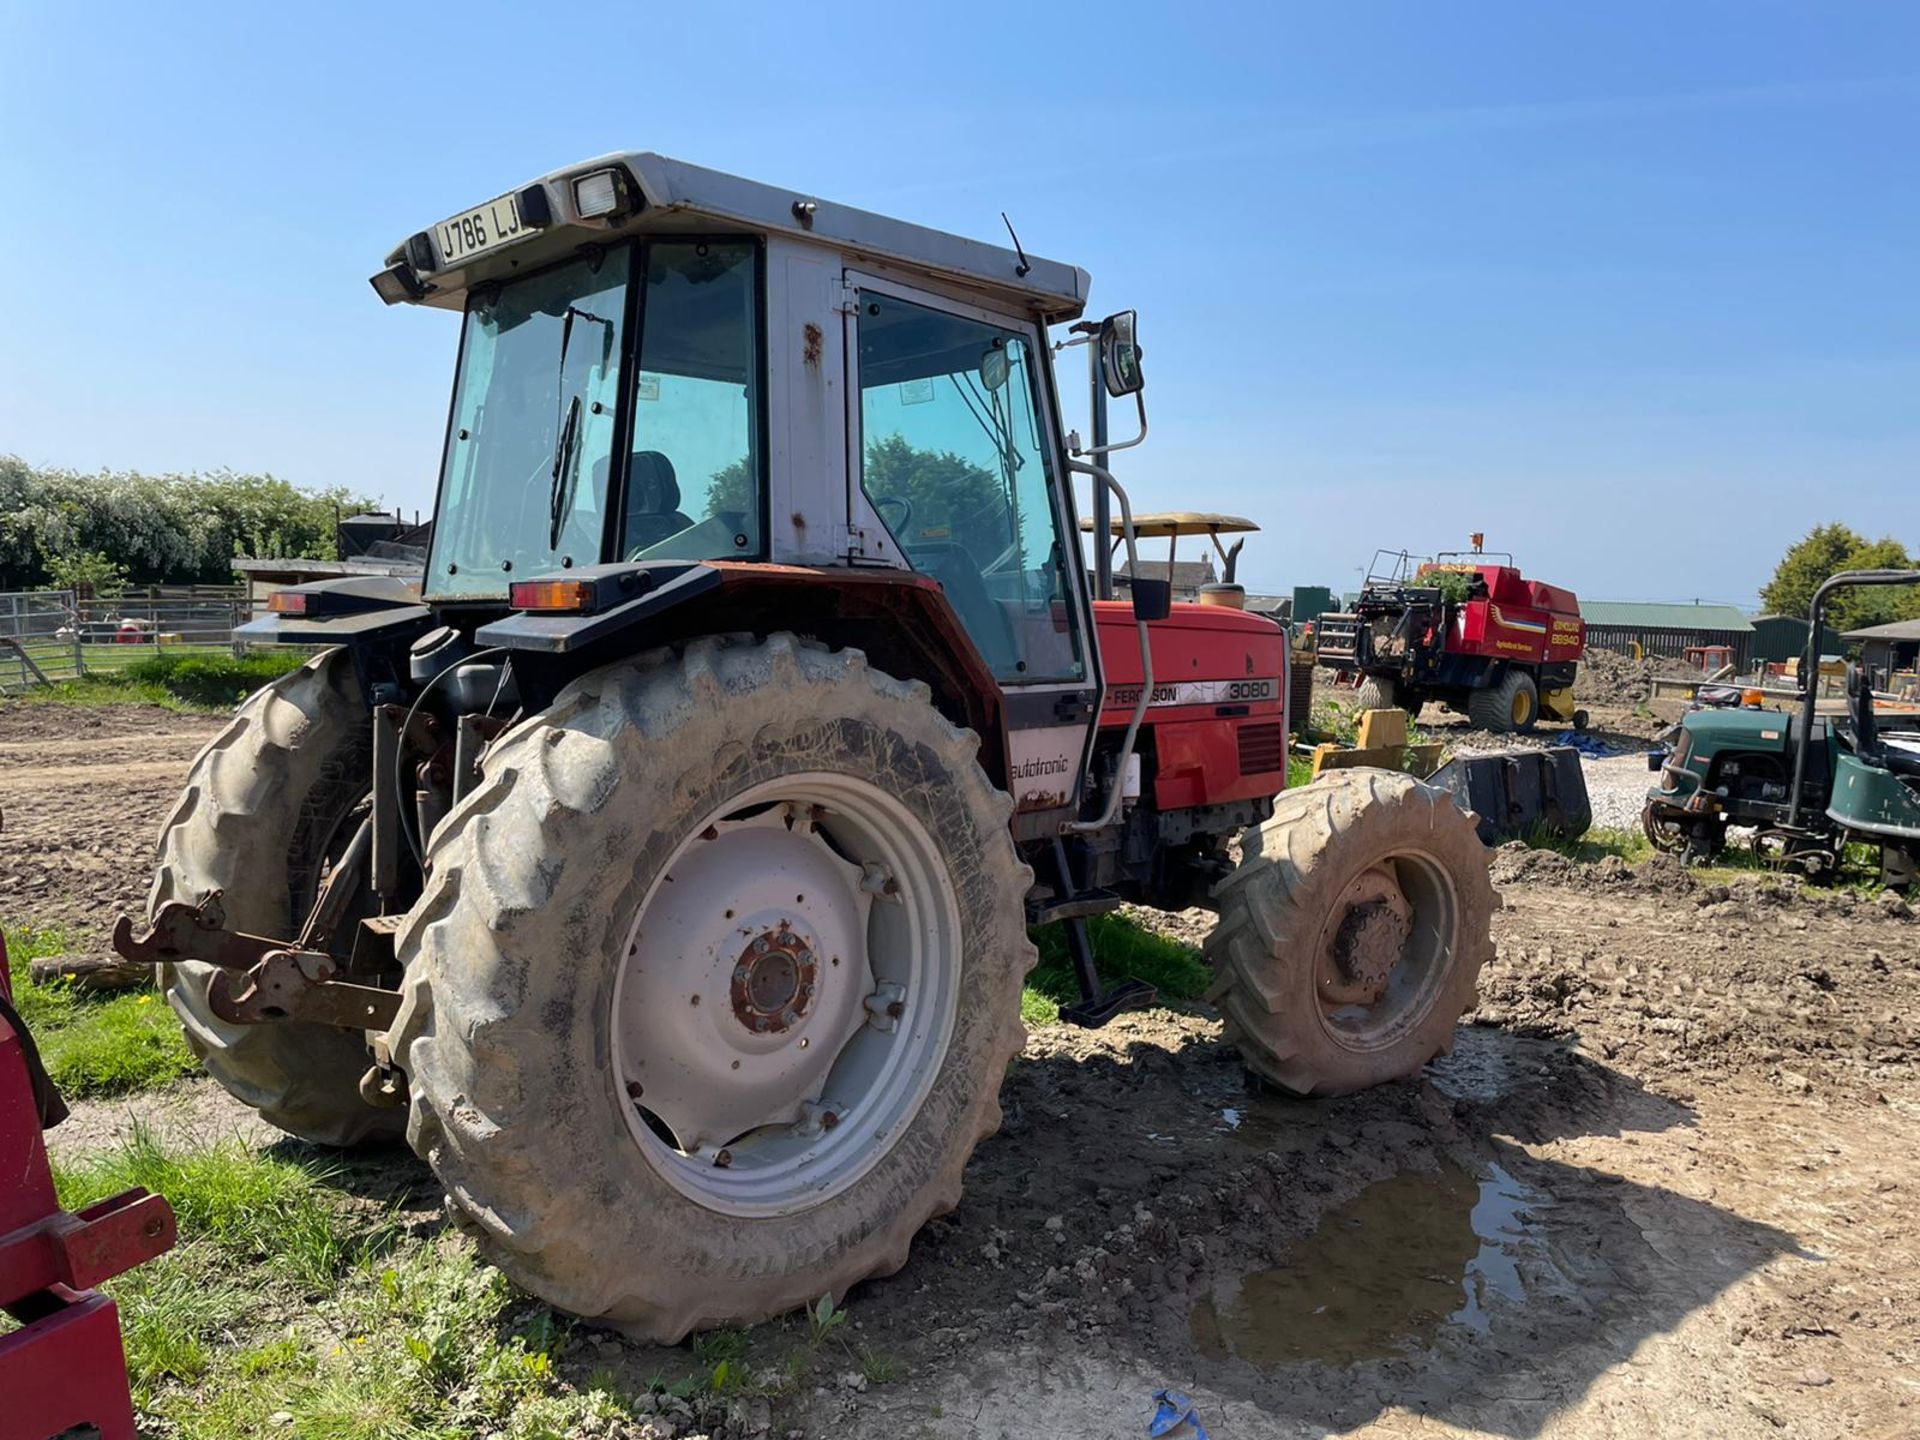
486,227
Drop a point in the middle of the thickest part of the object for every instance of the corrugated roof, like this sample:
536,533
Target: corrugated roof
1644,615
1898,630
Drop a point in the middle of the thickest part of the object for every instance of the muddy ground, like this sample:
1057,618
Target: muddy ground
1665,1185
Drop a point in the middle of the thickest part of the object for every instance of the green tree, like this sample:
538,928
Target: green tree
951,497
1824,552
172,529
87,571
731,488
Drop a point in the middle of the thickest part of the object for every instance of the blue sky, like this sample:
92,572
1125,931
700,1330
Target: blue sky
1634,288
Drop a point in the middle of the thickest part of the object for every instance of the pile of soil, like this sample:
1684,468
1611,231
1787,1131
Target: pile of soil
1646,965
1607,677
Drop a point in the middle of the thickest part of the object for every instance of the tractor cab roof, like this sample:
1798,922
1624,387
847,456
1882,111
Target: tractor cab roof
624,195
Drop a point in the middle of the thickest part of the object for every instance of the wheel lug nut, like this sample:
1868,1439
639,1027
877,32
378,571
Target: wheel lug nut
723,1159
829,1119
634,1090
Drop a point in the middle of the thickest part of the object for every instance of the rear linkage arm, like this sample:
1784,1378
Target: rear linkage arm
260,980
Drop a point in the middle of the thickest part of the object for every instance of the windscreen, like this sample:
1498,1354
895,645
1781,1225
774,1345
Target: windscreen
524,482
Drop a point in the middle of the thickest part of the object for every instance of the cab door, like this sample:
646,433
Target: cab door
957,455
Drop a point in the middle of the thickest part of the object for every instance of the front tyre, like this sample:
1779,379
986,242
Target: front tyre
1352,933
711,991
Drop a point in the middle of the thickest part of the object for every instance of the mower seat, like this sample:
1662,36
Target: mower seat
653,502
1900,759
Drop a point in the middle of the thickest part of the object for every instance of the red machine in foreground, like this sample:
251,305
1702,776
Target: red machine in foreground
1465,629
64,1371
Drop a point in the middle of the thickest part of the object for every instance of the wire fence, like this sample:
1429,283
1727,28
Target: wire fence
53,635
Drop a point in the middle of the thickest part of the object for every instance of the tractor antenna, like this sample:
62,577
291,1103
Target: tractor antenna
1023,269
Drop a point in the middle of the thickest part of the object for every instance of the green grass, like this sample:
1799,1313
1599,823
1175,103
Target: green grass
189,680
1038,1011
1122,950
289,1296
1299,771
1598,843
93,1045
264,1209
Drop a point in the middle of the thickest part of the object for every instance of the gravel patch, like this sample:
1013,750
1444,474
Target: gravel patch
1617,789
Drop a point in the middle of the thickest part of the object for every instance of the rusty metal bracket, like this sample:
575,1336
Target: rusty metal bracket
192,932
299,985
278,981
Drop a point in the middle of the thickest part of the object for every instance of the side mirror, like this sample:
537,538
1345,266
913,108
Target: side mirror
1120,354
993,367
1152,599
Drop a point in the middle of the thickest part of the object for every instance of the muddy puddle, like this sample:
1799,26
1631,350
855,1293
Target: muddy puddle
1385,1274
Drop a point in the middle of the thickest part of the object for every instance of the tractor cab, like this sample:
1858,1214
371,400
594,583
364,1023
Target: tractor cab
672,379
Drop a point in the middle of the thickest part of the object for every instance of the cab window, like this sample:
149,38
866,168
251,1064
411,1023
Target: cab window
952,458
694,489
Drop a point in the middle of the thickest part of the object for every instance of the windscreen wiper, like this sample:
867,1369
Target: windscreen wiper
560,494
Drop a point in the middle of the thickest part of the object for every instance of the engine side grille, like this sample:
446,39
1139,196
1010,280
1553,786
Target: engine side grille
1263,748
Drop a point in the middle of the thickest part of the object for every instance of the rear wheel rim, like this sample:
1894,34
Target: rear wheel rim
1522,710
1383,951
787,994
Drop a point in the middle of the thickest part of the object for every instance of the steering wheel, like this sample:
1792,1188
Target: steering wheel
881,502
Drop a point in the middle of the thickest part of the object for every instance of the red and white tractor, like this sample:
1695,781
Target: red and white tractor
664,863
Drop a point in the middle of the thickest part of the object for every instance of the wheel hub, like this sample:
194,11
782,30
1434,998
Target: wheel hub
1368,944
746,979
787,994
1365,939
774,982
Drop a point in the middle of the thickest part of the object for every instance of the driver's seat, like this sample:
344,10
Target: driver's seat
653,502
1867,744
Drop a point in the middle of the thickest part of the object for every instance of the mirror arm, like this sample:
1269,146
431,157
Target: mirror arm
1077,450
1103,476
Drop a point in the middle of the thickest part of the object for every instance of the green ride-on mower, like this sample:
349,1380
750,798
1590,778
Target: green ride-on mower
1806,784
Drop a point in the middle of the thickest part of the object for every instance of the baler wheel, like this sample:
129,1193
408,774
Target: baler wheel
1352,933
713,984
262,803
1377,692
1510,704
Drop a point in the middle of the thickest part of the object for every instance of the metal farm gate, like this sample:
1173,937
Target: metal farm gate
51,635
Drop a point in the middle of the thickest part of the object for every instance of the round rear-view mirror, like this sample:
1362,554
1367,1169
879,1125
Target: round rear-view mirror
1120,354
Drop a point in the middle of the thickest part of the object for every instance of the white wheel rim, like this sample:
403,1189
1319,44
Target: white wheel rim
787,994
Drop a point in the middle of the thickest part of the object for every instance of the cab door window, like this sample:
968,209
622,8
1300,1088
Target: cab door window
952,458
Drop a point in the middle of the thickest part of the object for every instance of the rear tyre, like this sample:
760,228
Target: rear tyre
713,985
262,805
1352,933
1511,704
